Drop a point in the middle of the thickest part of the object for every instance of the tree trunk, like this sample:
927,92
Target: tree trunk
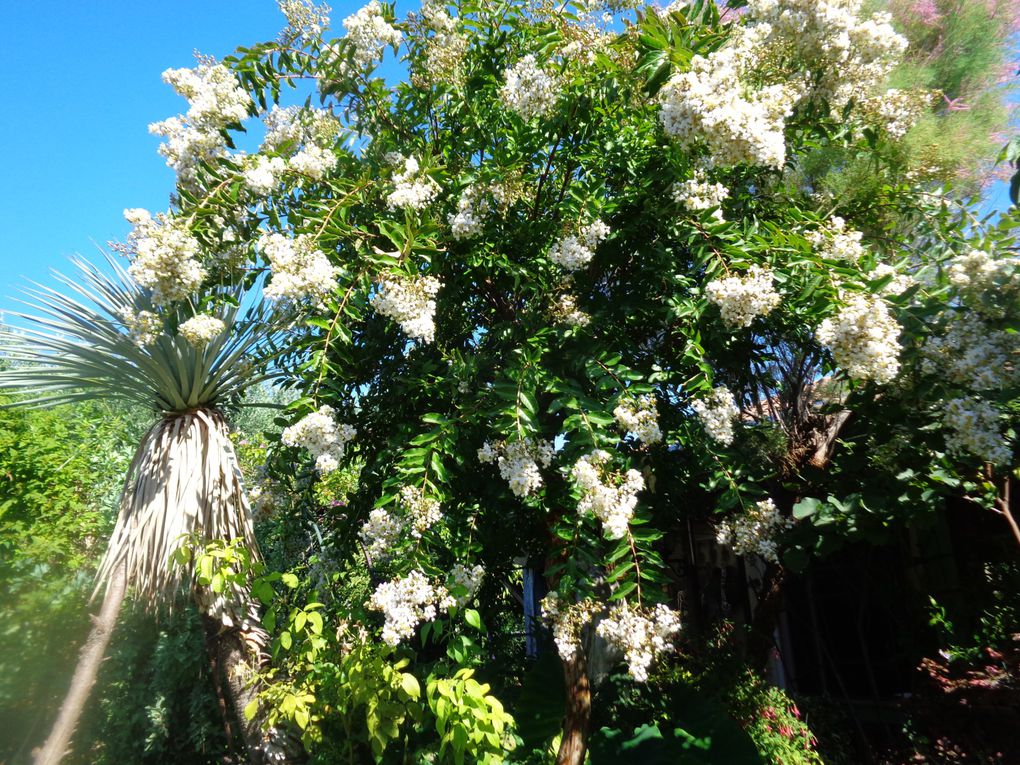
89,660
239,652
760,640
578,715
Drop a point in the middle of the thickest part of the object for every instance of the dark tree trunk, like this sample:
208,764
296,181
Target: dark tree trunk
238,652
578,714
766,613
89,661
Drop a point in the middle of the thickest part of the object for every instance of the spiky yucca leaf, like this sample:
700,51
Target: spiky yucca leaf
184,480
77,346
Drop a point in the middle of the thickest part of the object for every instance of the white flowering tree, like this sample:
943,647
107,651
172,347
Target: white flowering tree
576,278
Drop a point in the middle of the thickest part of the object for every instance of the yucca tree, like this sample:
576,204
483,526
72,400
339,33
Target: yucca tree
184,481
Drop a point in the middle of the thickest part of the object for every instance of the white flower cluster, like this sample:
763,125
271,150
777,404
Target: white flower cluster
519,462
639,416
717,414
414,190
382,530
713,102
566,622
445,50
850,55
307,135
610,496
981,279
216,100
299,270
975,426
754,531
201,329
380,533
837,242
863,338
896,111
422,511
575,251
306,21
899,283
143,327
529,90
405,603
409,301
641,636
263,174
741,298
469,219
323,437
566,311
164,256
699,194
468,579
971,353
369,33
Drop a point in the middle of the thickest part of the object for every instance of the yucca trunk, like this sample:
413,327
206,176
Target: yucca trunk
183,483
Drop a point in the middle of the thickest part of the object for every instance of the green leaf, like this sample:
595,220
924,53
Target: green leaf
251,709
472,617
410,685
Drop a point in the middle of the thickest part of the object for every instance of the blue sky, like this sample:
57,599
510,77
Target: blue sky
81,81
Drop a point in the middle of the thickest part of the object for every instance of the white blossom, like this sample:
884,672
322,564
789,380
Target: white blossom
981,279
380,533
263,173
469,219
422,511
755,530
575,251
164,256
700,194
306,21
322,436
313,161
971,353
863,338
714,103
216,100
899,283
742,298
299,270
717,414
566,311
529,90
414,189
975,428
446,48
409,301
567,622
369,33
143,327
641,635
836,242
405,603
611,496
519,462
202,329
468,579
639,416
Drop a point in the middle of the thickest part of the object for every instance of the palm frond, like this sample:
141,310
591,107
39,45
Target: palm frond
76,344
